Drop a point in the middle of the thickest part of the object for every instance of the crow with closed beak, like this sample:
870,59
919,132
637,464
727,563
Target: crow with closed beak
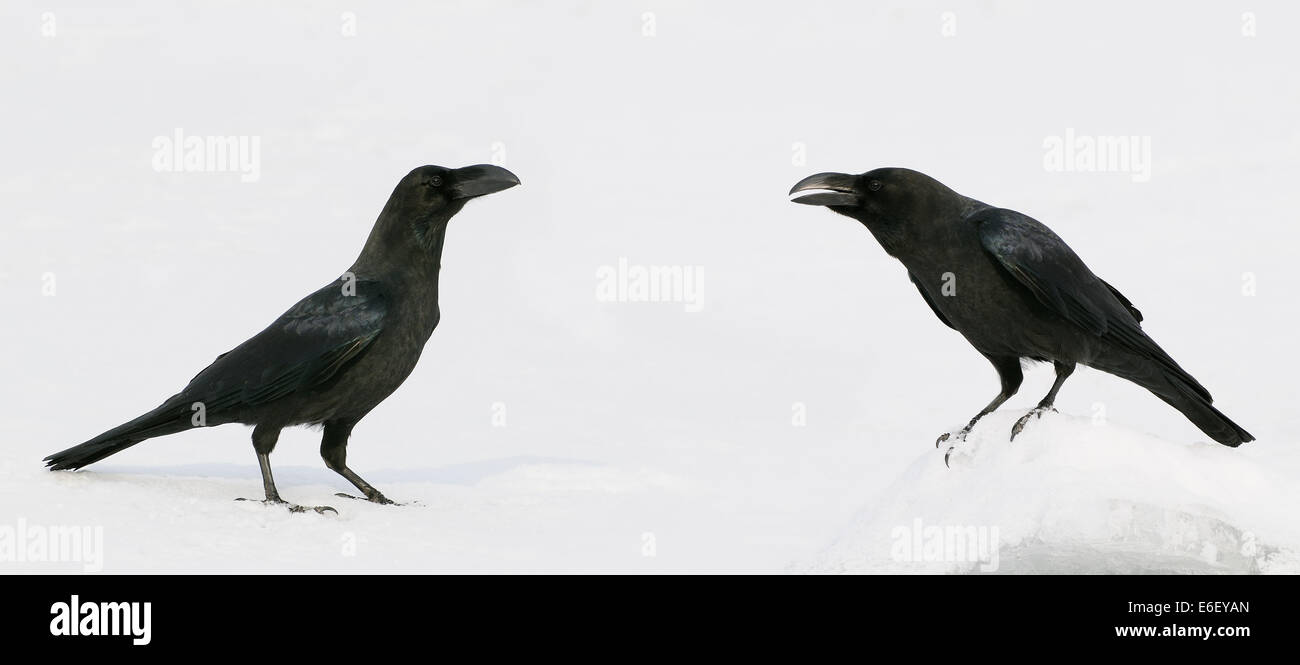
336,354
1013,289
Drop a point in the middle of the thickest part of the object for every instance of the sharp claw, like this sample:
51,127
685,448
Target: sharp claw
961,436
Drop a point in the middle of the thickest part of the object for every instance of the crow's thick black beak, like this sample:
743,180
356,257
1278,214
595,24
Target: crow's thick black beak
830,189
481,179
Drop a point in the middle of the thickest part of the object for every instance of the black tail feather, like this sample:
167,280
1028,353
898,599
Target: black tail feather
1201,412
1179,390
166,419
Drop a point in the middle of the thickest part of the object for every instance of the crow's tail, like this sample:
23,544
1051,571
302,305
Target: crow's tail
1178,389
166,419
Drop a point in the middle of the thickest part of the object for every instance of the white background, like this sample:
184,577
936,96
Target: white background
640,428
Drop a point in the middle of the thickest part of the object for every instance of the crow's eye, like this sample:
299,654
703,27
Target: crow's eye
435,181
874,185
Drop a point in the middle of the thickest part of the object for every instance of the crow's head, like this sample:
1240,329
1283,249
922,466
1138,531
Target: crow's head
436,187
429,196
441,192
894,203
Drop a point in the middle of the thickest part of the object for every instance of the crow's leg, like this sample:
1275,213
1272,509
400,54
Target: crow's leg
264,440
334,450
1063,372
1008,368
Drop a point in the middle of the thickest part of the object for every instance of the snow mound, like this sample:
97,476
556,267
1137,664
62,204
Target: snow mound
1071,496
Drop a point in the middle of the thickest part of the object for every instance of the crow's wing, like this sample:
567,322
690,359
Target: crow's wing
930,302
306,347
1042,262
1125,301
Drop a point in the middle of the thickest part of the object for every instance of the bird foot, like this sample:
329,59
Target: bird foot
1036,412
377,497
293,507
958,437
960,434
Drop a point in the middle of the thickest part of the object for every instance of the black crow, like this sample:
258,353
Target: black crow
336,354
1013,289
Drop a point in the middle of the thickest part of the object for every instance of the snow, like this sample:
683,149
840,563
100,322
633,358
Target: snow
1074,494
788,425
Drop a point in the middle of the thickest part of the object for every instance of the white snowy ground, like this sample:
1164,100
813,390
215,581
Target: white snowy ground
640,436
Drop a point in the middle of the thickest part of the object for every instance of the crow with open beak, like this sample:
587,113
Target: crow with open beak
1013,289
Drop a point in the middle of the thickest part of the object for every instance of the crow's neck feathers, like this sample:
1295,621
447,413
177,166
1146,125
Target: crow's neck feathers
405,243
907,239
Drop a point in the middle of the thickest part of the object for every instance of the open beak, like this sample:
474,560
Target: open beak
481,179
827,189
